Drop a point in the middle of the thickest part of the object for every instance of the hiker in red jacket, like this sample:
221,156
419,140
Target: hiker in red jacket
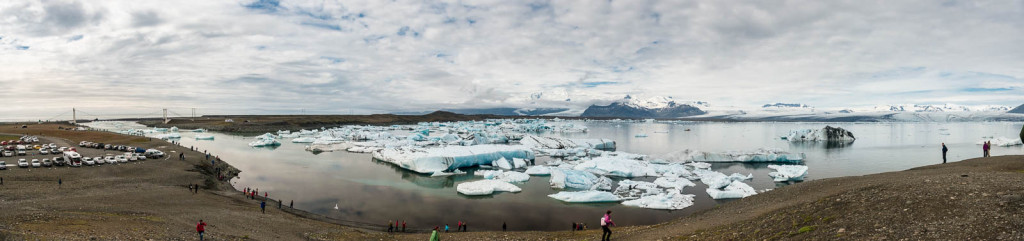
201,227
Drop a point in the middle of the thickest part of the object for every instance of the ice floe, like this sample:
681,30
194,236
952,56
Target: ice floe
785,173
539,171
589,196
1002,141
430,160
617,166
775,155
485,187
575,179
671,200
829,134
735,189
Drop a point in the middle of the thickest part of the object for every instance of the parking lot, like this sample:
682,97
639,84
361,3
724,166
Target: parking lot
44,152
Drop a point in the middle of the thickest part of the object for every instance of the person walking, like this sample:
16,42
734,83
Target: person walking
390,228
944,150
464,226
263,206
60,182
458,226
279,204
435,235
1,181
291,204
984,149
446,228
403,226
574,226
606,222
503,227
201,227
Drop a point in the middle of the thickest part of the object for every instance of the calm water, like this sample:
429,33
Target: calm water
374,192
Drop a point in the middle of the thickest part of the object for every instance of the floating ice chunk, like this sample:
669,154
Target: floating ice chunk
629,189
169,136
485,187
266,136
699,165
641,135
616,166
430,160
717,179
264,142
784,173
548,142
204,137
759,155
585,197
487,174
173,129
736,189
303,140
671,200
602,183
538,171
518,163
503,164
512,177
416,137
674,182
830,134
1002,141
567,178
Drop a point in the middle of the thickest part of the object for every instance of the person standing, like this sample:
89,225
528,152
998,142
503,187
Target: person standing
291,204
503,227
574,226
403,226
435,236
60,182
390,227
464,226
263,206
201,227
606,222
446,228
944,150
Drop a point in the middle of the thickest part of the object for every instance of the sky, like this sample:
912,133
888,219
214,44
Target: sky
358,57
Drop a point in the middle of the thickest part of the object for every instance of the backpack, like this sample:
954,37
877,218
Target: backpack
603,222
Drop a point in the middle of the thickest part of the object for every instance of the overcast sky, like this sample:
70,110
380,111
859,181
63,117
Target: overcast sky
375,56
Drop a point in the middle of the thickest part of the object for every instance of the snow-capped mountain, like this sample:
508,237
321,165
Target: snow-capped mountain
938,108
1018,110
653,107
786,106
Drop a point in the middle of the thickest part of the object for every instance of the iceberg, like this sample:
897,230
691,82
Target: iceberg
303,140
616,166
264,142
772,155
548,142
674,182
169,136
585,197
487,174
567,178
736,189
671,200
502,163
1002,141
204,137
719,180
829,134
430,160
485,187
784,173
629,189
538,171
512,177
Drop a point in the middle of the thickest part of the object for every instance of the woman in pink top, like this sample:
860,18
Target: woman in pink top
606,221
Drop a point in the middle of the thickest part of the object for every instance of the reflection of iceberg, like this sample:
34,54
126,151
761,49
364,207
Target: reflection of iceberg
485,187
831,134
736,189
585,197
760,155
617,166
1002,141
671,200
547,142
784,173
430,160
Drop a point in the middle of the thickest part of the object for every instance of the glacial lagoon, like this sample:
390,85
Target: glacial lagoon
374,192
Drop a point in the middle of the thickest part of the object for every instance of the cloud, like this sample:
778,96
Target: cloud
383,56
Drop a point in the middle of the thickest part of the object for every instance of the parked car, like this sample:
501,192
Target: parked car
122,159
22,163
154,153
55,151
130,157
36,163
110,159
3,165
21,152
47,162
53,145
99,160
8,153
88,161
139,156
59,161
44,152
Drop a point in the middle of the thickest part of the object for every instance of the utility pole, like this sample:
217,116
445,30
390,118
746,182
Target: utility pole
74,117
193,114
165,116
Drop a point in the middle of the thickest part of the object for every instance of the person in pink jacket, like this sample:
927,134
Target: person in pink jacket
606,221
